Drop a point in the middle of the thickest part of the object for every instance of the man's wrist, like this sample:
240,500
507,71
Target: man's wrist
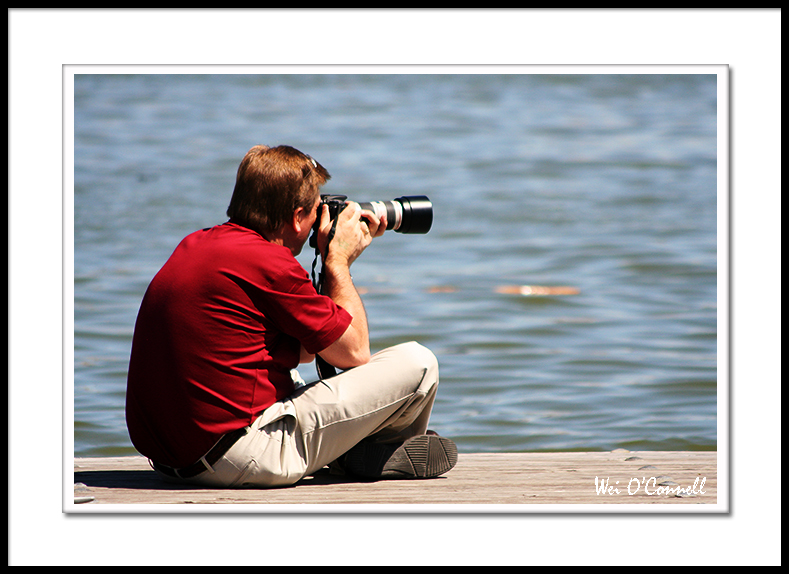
337,277
337,266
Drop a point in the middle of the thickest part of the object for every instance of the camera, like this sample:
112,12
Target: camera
407,214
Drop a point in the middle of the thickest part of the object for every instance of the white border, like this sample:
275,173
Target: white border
41,41
721,72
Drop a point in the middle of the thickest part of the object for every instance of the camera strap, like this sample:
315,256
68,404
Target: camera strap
318,282
325,370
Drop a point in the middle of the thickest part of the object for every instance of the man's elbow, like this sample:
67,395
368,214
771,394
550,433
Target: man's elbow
362,357
344,356
353,358
351,350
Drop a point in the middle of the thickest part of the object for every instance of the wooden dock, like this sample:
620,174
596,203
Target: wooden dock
677,481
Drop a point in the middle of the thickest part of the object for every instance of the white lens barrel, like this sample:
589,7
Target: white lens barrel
393,211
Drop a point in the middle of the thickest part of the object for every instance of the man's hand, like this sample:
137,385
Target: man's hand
354,231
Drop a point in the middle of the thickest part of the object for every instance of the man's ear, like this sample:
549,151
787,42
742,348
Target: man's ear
299,219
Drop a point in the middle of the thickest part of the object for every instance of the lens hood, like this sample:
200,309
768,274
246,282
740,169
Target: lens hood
417,214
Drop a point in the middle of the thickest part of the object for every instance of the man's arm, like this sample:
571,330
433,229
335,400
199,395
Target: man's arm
352,236
352,349
305,356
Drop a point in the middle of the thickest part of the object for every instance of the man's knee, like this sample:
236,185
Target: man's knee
413,355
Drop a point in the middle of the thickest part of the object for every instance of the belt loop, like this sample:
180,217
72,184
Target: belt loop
205,463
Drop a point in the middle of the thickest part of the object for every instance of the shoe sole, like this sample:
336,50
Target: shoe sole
423,456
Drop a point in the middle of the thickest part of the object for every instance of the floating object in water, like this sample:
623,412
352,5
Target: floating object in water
441,289
525,290
528,290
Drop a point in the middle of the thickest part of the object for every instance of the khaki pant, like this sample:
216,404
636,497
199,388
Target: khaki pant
389,399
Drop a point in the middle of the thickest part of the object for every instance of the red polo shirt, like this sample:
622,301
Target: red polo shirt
218,332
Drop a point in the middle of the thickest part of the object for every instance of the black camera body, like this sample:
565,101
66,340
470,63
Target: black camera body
407,214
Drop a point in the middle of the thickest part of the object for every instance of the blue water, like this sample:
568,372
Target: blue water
606,184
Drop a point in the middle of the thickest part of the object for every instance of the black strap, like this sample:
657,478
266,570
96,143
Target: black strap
318,283
325,370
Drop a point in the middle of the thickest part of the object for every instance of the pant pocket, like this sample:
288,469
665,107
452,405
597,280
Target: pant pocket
245,473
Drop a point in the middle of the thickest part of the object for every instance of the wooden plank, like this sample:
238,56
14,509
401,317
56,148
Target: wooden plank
509,480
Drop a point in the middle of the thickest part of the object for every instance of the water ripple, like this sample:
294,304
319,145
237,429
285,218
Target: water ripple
603,184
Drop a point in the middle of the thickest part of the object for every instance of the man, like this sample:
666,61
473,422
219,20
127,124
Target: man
210,397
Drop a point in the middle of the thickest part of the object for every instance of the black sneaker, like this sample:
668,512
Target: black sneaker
422,456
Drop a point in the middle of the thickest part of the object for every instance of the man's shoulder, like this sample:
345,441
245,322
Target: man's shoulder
238,237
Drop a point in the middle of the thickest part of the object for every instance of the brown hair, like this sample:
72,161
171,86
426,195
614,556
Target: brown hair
271,183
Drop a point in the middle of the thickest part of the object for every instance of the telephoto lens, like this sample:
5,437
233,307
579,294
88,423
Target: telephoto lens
407,214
